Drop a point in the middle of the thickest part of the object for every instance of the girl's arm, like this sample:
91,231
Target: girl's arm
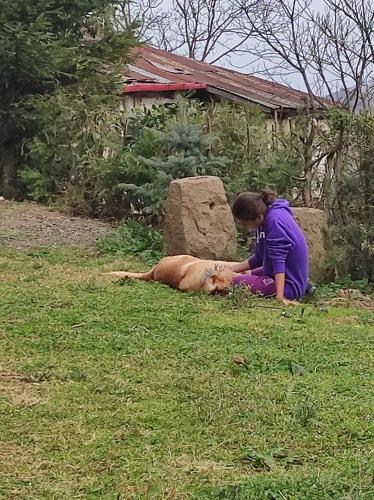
252,262
280,281
278,246
241,267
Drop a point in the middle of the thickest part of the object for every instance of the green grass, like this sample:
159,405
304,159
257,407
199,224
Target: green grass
130,391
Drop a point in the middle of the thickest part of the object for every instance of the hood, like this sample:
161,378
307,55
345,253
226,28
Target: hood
280,204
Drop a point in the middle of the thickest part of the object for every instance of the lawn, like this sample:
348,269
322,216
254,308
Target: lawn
131,390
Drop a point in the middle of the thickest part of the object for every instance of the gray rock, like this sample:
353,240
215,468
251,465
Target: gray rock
198,219
313,222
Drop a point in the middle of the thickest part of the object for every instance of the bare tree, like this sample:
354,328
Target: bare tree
205,30
331,50
143,15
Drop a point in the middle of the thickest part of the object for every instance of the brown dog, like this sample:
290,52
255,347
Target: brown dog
186,273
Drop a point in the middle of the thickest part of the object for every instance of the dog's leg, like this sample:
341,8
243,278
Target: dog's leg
123,275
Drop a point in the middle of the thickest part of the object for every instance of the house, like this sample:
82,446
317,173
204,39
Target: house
156,76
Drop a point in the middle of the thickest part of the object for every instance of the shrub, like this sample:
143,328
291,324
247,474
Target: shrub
133,238
52,79
183,149
352,205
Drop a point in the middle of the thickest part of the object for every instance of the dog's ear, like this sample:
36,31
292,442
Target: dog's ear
214,278
212,282
217,279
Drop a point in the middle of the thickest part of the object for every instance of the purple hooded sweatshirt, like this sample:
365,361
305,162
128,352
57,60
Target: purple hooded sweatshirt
281,248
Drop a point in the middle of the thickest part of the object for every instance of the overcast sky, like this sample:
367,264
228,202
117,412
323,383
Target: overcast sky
244,62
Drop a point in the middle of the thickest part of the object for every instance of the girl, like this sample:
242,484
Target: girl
279,266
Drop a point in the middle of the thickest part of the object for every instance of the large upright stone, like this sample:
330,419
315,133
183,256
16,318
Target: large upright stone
313,222
198,219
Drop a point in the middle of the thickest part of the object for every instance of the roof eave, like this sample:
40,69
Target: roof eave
240,98
162,87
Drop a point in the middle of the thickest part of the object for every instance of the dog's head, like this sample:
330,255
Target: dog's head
218,281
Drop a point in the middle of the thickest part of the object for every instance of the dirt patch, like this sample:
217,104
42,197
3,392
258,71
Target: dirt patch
353,299
27,225
18,390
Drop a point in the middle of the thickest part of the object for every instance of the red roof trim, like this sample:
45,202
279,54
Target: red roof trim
162,87
152,66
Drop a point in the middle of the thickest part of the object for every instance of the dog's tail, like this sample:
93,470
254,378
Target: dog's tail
123,275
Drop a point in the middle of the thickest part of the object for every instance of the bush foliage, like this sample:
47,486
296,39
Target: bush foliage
133,238
59,77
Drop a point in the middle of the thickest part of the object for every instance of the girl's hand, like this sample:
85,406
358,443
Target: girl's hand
280,280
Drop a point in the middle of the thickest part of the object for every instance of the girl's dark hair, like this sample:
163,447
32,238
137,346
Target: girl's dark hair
251,206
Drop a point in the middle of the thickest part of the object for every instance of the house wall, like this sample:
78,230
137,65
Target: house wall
275,124
146,101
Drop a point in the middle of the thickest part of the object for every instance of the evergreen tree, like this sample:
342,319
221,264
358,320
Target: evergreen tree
353,212
185,150
48,66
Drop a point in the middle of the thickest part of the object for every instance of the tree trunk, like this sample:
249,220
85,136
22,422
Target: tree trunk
308,165
326,187
338,173
307,186
9,184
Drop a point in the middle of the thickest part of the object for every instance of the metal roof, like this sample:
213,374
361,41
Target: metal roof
154,70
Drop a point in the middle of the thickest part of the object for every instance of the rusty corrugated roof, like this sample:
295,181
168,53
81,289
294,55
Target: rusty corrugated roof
151,65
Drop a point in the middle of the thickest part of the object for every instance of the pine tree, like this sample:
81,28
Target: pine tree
45,49
185,151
